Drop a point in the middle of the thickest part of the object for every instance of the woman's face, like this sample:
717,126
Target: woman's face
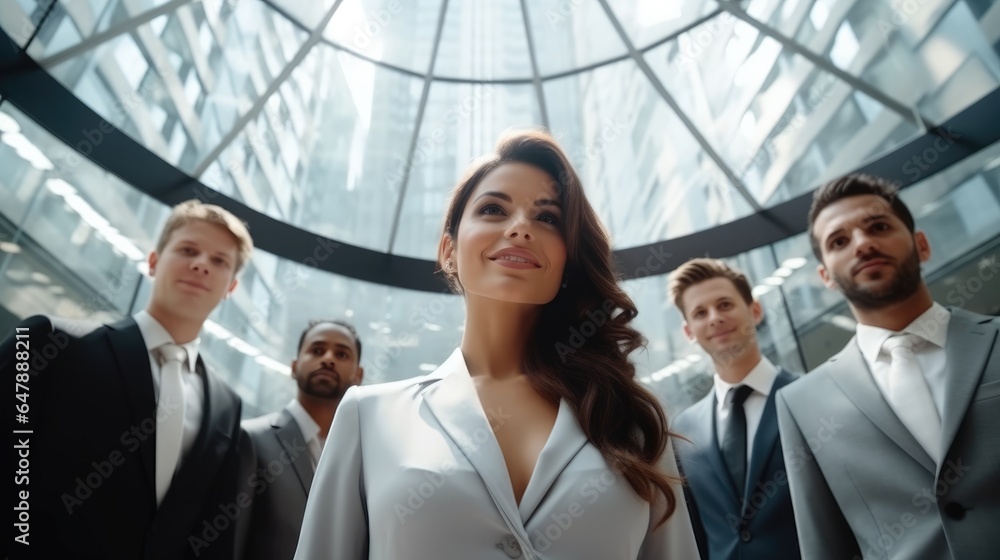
510,244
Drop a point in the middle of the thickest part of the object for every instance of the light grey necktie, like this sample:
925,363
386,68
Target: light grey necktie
169,417
910,395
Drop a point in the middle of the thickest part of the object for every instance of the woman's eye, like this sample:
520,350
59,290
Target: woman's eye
492,209
549,218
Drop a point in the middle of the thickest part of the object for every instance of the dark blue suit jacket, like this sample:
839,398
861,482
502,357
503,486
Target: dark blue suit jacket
763,526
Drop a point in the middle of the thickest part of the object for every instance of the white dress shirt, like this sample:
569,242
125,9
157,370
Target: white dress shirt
932,327
155,335
309,429
761,380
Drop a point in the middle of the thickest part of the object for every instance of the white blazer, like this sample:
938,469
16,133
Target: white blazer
413,471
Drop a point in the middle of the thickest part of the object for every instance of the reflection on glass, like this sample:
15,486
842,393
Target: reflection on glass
173,84
647,21
570,35
642,169
326,153
461,123
934,56
397,32
484,40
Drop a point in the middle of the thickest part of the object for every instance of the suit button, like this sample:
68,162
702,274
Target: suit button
745,535
955,511
510,547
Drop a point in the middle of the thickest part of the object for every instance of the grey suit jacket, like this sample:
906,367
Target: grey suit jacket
860,482
418,475
276,475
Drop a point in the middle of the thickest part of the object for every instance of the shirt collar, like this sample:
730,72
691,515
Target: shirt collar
308,426
761,379
156,335
931,325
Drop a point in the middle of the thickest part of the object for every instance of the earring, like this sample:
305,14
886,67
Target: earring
565,283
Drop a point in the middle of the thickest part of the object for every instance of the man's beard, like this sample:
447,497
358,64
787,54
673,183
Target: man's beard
903,285
311,387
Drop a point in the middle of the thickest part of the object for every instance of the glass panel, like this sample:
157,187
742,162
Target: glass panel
569,35
935,55
461,123
65,205
647,21
177,88
398,32
327,151
308,14
70,23
642,169
484,39
780,123
20,18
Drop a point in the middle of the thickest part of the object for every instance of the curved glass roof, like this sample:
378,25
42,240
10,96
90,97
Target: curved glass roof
353,118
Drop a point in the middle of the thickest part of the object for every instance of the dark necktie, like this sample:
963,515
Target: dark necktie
734,439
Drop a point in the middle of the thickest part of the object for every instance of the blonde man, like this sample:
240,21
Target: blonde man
133,444
733,457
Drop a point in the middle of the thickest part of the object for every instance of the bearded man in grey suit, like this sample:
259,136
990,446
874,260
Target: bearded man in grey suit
284,447
891,445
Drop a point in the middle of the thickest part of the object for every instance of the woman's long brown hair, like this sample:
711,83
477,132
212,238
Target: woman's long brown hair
582,340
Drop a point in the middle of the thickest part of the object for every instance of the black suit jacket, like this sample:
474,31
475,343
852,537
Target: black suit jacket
763,526
93,445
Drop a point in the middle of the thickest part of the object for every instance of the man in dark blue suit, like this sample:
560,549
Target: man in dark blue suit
732,459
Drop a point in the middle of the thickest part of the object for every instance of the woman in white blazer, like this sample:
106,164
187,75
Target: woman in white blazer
533,440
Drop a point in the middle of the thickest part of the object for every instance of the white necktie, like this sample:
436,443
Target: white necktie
910,395
169,417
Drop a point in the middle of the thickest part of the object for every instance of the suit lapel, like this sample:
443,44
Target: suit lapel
966,349
766,438
565,441
202,462
850,372
455,404
288,433
133,365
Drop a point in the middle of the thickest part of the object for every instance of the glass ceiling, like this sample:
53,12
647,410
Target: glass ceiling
354,118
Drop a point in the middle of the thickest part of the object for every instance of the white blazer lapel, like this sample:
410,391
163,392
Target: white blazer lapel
455,404
565,441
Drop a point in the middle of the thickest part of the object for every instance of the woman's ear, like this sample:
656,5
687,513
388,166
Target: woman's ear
446,248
